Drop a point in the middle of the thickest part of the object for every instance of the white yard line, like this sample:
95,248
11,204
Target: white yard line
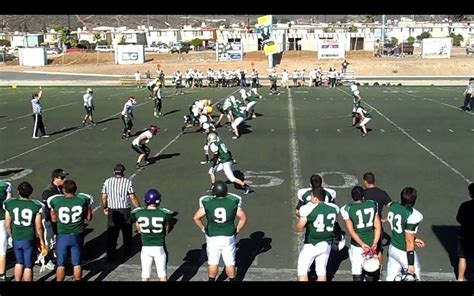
418,143
47,109
447,105
295,173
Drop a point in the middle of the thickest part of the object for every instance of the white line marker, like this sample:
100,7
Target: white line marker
382,130
447,105
428,130
317,99
22,128
316,130
3,127
294,164
419,144
331,99
103,129
338,130
451,130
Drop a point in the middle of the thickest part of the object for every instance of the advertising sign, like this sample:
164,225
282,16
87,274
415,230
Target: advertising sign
232,51
331,49
130,54
436,48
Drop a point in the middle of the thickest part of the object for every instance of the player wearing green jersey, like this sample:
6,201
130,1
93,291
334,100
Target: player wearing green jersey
22,218
317,219
152,222
220,209
222,160
364,226
404,220
5,193
69,211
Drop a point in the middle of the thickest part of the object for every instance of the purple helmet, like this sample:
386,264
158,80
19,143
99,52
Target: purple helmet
152,197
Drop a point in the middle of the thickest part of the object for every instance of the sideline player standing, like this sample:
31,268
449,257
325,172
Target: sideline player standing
127,117
220,209
152,222
404,220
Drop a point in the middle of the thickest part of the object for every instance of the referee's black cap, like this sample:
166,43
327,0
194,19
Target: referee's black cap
119,168
59,173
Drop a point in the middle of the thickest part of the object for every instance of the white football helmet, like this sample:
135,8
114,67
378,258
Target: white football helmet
404,276
353,87
371,261
212,137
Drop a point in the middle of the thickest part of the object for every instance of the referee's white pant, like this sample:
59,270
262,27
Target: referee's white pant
38,125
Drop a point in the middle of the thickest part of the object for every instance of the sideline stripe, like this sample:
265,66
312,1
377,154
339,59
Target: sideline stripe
295,167
418,143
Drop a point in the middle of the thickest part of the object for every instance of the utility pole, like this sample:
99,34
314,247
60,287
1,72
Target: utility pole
148,20
68,22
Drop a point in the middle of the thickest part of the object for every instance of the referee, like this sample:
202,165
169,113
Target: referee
117,197
37,116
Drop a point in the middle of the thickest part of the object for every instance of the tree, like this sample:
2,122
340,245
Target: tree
371,18
352,29
411,40
394,41
97,37
4,42
423,36
456,39
329,30
196,42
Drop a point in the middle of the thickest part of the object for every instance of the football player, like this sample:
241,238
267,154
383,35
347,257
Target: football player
404,220
317,220
364,117
355,103
222,160
127,117
139,145
88,106
364,226
69,211
220,209
28,211
152,222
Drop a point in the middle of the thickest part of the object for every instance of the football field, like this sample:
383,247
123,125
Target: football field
418,138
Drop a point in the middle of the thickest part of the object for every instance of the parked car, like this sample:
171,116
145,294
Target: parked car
53,50
406,48
180,48
470,49
388,49
105,48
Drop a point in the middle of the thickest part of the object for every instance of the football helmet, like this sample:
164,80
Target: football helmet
353,87
89,90
152,197
371,261
219,189
405,276
212,137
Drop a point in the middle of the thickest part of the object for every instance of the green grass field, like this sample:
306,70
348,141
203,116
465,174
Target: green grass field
419,138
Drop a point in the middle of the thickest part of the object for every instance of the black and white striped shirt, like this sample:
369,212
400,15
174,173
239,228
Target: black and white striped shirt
35,103
118,190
